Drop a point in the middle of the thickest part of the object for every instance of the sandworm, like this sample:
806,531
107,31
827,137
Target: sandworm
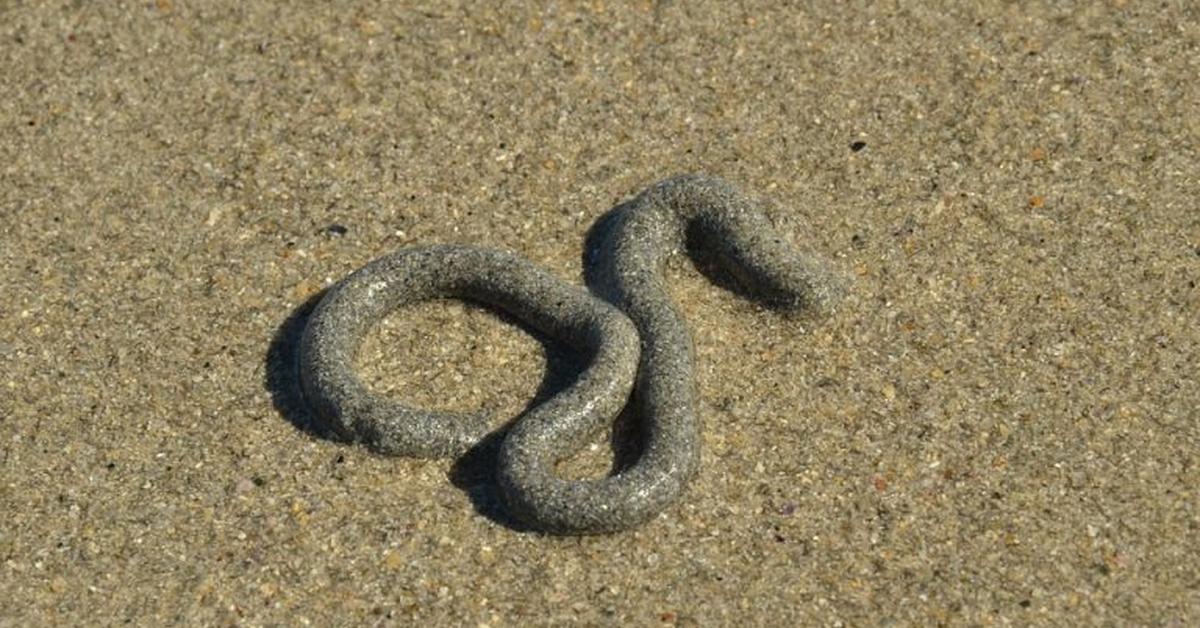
638,345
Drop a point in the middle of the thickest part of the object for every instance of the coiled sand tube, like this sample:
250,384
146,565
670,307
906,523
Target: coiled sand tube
628,273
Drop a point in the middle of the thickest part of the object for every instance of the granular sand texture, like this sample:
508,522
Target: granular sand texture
997,425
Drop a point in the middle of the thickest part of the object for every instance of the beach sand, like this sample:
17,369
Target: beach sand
999,425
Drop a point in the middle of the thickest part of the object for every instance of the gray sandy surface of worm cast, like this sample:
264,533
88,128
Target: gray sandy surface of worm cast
628,272
636,323
563,312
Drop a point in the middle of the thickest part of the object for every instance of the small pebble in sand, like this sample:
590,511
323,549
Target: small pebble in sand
336,230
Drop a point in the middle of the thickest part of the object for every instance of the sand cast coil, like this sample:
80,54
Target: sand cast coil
638,346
